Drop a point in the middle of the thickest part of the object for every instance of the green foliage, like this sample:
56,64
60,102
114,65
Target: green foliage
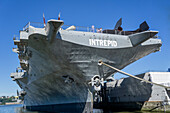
4,100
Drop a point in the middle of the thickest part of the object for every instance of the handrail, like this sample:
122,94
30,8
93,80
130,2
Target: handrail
26,26
80,28
95,30
34,24
16,37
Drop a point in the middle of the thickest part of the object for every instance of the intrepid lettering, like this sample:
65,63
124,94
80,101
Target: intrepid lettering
98,42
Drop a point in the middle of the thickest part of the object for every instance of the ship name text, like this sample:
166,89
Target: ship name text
99,42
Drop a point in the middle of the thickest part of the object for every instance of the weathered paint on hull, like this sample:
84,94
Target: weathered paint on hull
51,65
58,64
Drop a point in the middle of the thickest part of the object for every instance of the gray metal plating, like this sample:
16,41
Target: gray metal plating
58,63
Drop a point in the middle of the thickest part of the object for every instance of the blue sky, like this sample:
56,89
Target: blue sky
101,13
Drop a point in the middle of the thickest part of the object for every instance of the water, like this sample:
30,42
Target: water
14,109
19,109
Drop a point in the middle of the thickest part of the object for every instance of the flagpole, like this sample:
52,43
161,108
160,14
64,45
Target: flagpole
44,19
59,16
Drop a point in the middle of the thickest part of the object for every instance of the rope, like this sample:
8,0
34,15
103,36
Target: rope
100,63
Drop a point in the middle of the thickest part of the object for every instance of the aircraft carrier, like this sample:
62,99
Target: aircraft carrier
58,63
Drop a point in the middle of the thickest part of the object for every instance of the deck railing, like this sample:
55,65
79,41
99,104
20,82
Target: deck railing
95,30
79,28
64,27
16,37
34,24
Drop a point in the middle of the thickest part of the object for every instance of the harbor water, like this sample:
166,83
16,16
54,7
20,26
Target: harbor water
19,109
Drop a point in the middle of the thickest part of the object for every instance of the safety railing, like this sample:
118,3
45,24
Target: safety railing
77,28
82,28
94,30
16,37
34,24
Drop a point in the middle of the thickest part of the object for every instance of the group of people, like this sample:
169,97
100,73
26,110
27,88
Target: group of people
97,30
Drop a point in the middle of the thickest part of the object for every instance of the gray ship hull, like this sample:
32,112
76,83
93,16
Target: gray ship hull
132,94
59,68
60,76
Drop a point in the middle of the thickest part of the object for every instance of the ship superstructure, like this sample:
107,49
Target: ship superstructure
57,64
